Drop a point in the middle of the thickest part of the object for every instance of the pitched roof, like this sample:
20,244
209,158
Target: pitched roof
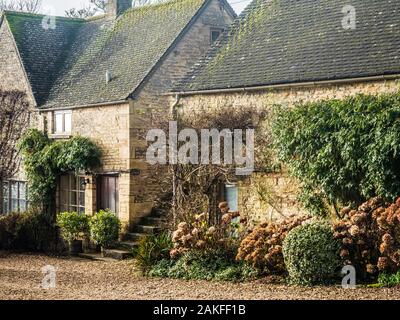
42,50
292,41
67,66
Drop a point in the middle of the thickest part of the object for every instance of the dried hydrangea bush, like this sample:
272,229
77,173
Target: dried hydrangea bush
370,237
200,235
262,248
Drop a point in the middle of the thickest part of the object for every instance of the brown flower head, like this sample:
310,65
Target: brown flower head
344,253
371,269
387,238
383,263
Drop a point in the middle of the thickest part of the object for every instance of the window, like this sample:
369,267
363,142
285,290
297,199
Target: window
215,34
232,197
72,193
62,122
15,196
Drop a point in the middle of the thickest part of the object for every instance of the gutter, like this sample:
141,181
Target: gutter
93,105
287,85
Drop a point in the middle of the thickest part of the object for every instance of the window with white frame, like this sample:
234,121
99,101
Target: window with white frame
15,196
72,193
62,122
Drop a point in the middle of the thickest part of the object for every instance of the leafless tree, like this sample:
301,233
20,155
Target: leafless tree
14,120
32,6
100,6
85,12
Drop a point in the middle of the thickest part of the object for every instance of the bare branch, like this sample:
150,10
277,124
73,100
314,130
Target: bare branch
32,6
14,120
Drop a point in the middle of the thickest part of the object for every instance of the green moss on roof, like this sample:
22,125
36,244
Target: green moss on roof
42,50
66,65
129,48
286,41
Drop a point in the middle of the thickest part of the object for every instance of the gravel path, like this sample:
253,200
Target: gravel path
21,278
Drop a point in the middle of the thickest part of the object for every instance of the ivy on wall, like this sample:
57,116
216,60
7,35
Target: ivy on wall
45,160
342,151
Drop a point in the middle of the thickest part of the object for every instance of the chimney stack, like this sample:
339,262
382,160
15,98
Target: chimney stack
117,7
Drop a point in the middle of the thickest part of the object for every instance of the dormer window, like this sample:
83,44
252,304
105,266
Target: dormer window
62,122
215,34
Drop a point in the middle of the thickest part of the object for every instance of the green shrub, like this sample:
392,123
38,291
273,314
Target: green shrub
342,151
29,231
311,254
45,160
104,228
152,249
204,265
161,268
8,230
74,226
389,280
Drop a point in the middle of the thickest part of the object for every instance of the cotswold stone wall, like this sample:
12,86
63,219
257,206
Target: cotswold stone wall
108,127
279,189
152,107
120,130
12,75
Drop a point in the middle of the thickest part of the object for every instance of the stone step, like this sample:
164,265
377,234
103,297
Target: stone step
117,254
146,229
127,245
132,236
95,257
154,221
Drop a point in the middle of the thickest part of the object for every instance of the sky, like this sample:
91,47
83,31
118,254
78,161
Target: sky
58,7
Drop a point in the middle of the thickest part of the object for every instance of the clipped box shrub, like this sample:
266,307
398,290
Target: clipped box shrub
311,254
104,228
74,226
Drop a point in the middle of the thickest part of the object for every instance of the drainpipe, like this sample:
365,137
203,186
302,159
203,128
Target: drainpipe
174,117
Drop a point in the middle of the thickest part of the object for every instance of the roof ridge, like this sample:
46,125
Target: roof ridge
40,15
219,44
278,41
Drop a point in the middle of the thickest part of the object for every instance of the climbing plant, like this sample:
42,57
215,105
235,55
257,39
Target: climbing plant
45,160
342,151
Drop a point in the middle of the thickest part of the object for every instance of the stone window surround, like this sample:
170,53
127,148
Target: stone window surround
66,123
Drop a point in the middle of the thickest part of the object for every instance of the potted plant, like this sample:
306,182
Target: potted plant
104,228
74,228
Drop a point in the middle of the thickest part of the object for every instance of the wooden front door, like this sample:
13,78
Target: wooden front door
108,193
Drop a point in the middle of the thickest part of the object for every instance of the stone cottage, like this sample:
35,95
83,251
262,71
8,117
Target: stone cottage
283,52
104,78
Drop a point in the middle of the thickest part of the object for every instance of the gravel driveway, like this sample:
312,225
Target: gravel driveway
21,278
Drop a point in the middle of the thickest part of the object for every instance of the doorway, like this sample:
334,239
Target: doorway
108,193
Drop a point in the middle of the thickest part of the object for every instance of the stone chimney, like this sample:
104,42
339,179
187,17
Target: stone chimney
117,7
